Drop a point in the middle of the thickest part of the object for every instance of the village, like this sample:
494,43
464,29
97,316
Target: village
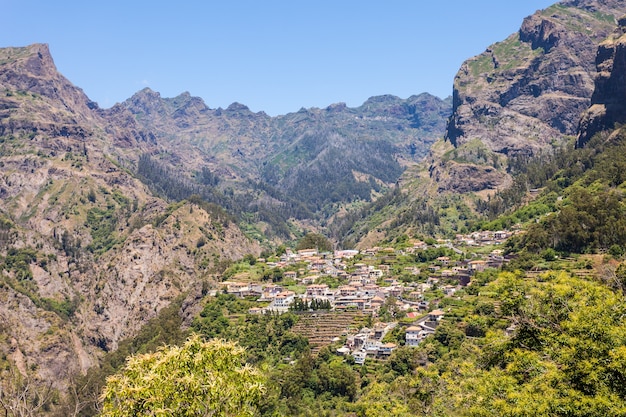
381,284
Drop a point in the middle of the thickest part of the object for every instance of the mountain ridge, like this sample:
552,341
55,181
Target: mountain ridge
326,157
88,252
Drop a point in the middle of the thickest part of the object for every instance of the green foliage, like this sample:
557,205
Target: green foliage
588,220
102,224
18,261
315,304
7,232
620,276
224,205
332,282
65,309
315,241
404,360
91,196
71,245
311,380
216,212
265,337
430,254
250,259
565,357
318,169
474,152
199,378
616,251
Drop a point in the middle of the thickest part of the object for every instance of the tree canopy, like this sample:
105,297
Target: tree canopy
315,241
198,379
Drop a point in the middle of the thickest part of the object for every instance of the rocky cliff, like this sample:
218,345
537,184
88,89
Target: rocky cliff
608,103
527,92
87,252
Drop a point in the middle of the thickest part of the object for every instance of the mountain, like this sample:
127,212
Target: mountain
525,94
302,165
111,217
590,213
515,107
87,253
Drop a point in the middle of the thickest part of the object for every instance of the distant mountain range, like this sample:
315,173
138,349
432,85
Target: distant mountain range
303,165
95,238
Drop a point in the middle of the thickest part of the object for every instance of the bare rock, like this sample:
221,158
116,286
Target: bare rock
527,92
608,103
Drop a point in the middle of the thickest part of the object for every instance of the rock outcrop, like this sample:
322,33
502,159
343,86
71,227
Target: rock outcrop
527,92
608,103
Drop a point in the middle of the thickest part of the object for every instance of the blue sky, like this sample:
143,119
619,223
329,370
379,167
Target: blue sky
275,56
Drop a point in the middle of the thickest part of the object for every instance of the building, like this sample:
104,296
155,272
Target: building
477,265
359,357
316,290
413,335
282,301
385,350
347,291
435,316
288,275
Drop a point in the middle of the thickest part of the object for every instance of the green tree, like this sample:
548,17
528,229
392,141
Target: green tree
620,274
198,379
315,241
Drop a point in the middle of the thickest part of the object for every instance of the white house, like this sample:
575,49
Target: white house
414,335
282,301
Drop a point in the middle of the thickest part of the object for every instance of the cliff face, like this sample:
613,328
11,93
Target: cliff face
87,253
528,91
608,103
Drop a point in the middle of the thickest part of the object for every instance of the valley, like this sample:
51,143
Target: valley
419,256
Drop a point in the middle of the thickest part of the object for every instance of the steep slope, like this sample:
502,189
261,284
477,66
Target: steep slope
527,92
608,103
87,253
590,213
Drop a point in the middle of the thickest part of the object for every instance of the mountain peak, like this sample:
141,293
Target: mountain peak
336,107
31,68
237,107
34,59
382,99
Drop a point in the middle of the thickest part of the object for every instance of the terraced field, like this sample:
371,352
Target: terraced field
321,328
